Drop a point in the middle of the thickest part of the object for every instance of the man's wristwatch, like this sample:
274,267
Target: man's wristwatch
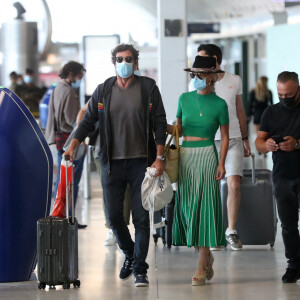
297,146
161,157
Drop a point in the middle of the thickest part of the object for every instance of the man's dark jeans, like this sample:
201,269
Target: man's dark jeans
130,171
287,193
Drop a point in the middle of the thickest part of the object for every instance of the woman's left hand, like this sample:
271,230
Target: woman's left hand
220,172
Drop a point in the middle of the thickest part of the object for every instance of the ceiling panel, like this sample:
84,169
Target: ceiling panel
207,10
224,9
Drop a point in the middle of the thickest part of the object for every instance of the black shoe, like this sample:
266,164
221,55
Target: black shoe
141,280
126,270
291,275
81,226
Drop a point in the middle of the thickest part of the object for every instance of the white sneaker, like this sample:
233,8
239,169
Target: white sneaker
111,239
234,241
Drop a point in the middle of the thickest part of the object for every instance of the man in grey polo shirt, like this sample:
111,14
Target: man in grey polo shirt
132,128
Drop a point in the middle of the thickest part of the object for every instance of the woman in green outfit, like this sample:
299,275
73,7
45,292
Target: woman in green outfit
198,212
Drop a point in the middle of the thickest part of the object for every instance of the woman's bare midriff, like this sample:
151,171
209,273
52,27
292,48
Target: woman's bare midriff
193,138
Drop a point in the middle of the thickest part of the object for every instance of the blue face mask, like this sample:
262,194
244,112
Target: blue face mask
76,84
27,79
124,69
199,84
137,73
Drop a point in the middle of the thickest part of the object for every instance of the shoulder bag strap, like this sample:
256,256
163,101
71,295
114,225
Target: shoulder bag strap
176,135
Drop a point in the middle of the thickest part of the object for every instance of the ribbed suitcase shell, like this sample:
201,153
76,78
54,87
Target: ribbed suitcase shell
257,218
57,251
57,246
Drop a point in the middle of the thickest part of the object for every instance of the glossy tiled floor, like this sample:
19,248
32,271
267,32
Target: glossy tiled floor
254,273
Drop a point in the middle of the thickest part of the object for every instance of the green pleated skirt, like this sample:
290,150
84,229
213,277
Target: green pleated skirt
198,217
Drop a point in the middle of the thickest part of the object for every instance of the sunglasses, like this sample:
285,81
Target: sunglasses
199,75
128,59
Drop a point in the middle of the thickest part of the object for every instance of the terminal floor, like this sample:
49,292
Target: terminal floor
254,273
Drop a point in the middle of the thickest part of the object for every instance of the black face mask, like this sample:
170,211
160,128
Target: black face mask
288,102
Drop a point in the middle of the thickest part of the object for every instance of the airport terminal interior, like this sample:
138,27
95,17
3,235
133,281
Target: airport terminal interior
258,38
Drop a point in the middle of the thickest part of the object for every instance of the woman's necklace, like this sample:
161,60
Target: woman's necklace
201,111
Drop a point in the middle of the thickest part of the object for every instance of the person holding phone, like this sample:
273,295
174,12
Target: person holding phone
280,133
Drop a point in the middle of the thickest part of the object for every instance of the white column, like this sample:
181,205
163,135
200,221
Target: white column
172,53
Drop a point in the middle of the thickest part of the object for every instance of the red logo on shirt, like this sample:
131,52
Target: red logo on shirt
100,106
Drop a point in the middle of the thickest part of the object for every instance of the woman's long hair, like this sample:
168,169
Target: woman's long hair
212,83
261,90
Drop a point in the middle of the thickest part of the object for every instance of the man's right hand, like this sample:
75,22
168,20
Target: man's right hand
70,151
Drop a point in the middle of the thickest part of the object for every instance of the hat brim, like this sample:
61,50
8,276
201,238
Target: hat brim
199,70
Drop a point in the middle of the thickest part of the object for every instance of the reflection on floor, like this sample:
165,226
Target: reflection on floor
254,273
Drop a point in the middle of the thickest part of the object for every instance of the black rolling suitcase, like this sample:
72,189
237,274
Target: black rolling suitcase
57,246
165,216
257,218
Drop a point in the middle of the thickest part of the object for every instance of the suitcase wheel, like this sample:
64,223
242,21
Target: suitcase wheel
272,244
66,286
155,238
42,285
76,284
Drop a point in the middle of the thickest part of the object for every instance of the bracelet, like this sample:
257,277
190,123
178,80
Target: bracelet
161,157
245,138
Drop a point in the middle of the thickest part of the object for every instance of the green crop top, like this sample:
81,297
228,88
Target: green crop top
202,114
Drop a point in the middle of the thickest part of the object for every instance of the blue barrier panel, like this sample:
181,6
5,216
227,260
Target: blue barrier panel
26,170
44,106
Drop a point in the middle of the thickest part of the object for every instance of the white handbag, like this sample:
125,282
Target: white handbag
157,192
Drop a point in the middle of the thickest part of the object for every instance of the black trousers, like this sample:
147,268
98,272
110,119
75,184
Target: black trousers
132,172
287,193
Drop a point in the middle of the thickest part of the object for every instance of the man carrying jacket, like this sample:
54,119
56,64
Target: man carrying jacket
132,126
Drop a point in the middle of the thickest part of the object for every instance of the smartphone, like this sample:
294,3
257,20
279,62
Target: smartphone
278,139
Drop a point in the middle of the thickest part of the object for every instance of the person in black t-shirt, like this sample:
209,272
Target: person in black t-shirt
280,133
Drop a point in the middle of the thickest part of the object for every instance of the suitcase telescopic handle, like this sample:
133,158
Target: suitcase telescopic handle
253,167
66,159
